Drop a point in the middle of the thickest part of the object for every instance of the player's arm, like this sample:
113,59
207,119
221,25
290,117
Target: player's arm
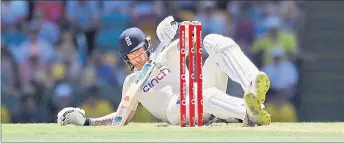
107,120
76,116
102,121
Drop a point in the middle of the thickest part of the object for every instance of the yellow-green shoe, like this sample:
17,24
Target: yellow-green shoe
262,85
255,111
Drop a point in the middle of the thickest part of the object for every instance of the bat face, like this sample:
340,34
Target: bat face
126,99
126,104
143,72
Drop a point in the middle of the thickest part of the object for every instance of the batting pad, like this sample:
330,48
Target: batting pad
222,105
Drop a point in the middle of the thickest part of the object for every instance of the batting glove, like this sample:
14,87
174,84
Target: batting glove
71,115
166,30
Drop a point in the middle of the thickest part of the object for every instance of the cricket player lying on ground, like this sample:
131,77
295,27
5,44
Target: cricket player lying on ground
160,93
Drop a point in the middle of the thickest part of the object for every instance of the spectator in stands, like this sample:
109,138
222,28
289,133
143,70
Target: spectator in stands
257,14
184,15
283,76
204,15
119,72
34,55
121,6
53,10
59,94
63,94
272,8
263,45
66,53
84,17
5,115
281,110
88,77
212,19
10,81
187,5
58,71
244,28
48,31
13,12
233,8
11,36
143,9
9,70
282,73
104,66
95,105
32,110
160,9
145,18
290,12
112,23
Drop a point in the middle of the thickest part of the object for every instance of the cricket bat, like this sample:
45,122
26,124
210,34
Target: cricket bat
130,98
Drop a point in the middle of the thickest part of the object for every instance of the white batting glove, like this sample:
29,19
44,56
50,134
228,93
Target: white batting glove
71,115
166,30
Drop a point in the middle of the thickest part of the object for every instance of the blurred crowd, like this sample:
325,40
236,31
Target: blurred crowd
56,54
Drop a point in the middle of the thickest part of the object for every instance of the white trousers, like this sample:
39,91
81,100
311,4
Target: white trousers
226,60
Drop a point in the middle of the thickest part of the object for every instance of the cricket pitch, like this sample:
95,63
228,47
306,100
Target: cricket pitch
161,132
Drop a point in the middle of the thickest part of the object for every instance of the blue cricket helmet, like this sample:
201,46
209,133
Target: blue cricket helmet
131,40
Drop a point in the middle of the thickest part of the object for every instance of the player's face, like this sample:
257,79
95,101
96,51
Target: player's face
138,58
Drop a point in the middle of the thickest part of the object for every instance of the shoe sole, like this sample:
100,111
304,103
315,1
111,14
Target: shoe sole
254,107
262,86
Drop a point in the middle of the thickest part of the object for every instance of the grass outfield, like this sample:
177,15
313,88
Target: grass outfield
162,132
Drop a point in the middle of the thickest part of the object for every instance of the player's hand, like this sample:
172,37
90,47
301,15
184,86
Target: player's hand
166,30
71,115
